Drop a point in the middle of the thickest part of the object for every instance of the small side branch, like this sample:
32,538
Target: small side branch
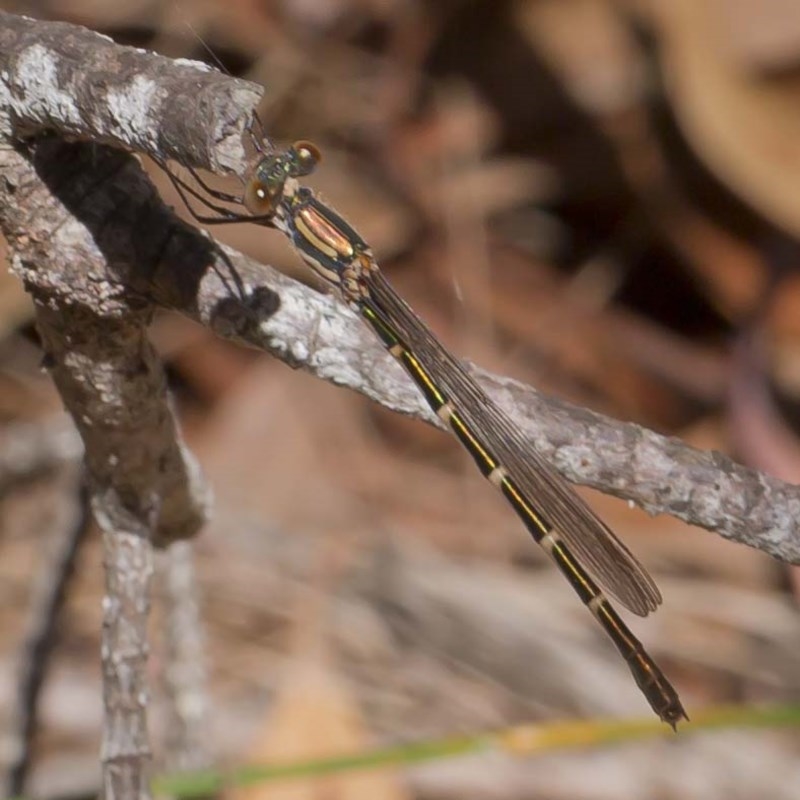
28,449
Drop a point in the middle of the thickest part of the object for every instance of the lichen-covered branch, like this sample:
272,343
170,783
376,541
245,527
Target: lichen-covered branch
661,474
63,225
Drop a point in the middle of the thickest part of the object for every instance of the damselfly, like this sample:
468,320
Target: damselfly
582,546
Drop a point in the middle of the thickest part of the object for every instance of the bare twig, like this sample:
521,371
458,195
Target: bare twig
144,485
93,329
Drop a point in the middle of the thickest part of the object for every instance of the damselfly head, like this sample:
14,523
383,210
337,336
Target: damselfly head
267,185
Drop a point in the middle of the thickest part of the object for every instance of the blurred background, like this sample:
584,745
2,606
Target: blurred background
598,198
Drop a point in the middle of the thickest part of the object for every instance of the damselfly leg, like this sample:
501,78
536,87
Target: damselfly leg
223,215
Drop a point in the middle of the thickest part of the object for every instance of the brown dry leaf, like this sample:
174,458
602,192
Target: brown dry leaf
745,127
315,716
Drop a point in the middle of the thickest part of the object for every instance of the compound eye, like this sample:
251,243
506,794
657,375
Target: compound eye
258,200
306,158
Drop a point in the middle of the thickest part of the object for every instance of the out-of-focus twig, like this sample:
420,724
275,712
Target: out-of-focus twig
125,752
187,727
47,606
